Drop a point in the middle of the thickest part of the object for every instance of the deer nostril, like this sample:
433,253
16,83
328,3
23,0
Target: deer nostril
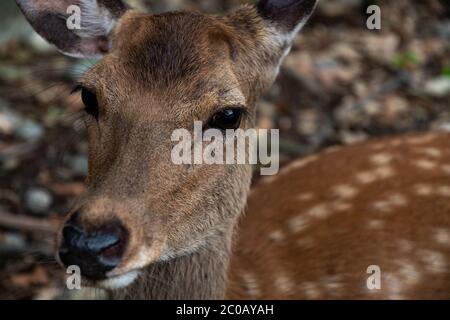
72,236
96,251
98,242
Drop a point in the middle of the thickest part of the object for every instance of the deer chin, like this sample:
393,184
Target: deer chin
119,281
126,274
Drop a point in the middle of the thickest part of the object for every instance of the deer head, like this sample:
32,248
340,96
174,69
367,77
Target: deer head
159,73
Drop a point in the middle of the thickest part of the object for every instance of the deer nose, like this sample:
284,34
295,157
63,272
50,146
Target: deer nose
95,252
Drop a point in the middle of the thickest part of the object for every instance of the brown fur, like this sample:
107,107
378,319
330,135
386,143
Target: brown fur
327,257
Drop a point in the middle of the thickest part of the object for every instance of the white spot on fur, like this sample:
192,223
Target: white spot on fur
384,172
366,177
283,284
425,164
382,205
431,152
393,201
405,245
421,139
298,223
422,189
443,191
277,236
345,191
251,285
393,285
319,211
408,273
434,261
305,196
341,206
398,200
331,284
381,159
311,290
375,224
401,281
442,236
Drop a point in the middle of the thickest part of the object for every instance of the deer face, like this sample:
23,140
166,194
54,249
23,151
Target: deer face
157,74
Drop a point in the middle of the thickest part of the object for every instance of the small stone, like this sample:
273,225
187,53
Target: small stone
13,123
29,130
444,127
79,164
308,122
439,87
38,200
14,241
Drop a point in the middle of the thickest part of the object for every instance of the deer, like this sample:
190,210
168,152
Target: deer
149,229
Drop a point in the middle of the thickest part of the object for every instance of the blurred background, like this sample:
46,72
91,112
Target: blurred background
341,84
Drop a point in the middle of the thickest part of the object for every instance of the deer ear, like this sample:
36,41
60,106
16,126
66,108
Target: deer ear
286,17
78,28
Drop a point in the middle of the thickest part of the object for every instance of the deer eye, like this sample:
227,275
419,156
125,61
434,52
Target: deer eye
229,118
90,102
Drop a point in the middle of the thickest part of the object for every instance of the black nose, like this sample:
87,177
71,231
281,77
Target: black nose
96,251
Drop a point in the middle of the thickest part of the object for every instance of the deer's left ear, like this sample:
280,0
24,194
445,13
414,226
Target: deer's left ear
286,17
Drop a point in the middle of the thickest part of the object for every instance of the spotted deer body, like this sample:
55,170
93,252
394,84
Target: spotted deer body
148,228
317,226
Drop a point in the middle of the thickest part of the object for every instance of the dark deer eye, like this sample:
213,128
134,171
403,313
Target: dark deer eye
229,118
90,102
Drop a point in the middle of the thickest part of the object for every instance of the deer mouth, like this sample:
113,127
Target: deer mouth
126,274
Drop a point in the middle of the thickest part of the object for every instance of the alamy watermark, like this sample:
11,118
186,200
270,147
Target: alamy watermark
374,20
73,281
73,22
231,146
374,280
